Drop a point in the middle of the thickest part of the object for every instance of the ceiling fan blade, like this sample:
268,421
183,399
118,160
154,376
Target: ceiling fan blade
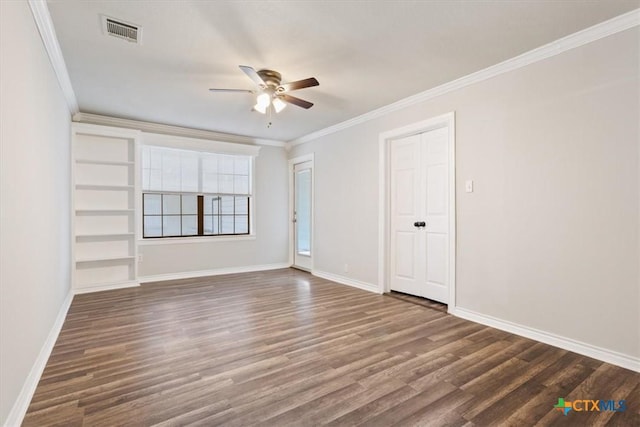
296,101
300,84
232,90
253,75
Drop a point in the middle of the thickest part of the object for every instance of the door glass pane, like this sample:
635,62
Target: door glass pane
303,212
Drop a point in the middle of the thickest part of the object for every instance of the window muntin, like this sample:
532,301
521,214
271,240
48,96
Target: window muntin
191,193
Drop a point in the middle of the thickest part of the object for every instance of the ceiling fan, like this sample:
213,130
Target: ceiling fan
272,91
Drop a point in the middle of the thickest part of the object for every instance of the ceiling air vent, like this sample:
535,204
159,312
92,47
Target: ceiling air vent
123,30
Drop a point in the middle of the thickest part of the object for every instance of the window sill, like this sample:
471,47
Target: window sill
189,240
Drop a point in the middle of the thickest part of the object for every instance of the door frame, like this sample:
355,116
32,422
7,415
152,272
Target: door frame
446,120
292,244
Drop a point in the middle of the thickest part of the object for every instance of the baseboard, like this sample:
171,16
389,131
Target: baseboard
19,409
214,272
347,281
106,287
599,353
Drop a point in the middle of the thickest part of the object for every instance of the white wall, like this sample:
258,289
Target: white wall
550,237
34,199
270,222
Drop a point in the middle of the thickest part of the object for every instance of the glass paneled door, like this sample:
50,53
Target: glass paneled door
302,214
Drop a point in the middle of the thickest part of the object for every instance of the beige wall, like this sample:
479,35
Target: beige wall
549,239
270,222
34,199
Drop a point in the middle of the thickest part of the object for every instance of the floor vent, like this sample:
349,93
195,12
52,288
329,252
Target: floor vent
123,30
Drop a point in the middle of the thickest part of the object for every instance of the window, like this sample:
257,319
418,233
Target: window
192,193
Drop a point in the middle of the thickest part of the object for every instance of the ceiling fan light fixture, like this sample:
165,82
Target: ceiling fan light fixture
260,108
264,100
262,103
279,104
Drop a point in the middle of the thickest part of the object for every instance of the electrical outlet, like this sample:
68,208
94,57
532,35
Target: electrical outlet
140,258
346,268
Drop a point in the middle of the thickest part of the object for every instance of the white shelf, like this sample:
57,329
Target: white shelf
103,162
103,187
104,245
102,259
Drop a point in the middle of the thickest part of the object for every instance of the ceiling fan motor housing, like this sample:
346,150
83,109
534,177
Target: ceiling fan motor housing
270,77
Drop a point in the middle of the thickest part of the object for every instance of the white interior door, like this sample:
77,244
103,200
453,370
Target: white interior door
419,215
406,246
302,215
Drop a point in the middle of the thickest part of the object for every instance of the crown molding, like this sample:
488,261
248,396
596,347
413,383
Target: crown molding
572,41
44,23
159,128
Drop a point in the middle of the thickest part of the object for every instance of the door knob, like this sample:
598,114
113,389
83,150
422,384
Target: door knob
419,224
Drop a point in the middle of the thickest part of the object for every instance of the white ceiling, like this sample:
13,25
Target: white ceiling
366,54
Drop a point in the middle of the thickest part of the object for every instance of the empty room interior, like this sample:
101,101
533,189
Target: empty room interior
416,213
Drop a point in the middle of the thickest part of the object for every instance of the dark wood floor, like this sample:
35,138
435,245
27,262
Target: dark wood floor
284,348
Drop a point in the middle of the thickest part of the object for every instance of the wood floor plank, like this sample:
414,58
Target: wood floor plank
284,348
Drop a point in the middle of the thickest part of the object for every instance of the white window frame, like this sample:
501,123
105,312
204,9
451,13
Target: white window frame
202,145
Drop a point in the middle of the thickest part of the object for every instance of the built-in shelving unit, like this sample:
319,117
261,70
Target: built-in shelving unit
104,206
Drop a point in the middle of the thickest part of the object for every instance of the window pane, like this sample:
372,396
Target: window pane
303,211
210,163
152,204
171,171
152,226
189,204
216,224
189,171
210,182
171,225
226,225
225,184
209,173
225,164
155,157
223,181
210,205
208,224
154,181
226,205
241,184
170,204
242,205
241,166
145,178
189,225
146,158
242,224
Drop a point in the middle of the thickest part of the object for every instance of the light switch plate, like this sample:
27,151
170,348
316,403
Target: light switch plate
468,186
